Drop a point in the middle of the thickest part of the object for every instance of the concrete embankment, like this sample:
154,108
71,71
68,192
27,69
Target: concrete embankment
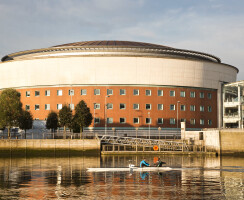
224,141
49,147
232,141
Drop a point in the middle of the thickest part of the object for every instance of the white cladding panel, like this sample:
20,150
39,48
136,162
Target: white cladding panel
114,70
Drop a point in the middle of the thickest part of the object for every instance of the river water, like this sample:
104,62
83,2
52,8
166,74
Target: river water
191,177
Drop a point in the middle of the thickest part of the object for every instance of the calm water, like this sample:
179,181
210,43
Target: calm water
67,178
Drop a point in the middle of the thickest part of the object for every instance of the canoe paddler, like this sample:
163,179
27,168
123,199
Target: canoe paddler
159,163
143,163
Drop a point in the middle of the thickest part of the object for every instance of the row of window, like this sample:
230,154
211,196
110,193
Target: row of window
136,92
149,121
47,107
136,106
122,106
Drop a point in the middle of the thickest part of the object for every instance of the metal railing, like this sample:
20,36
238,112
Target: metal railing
113,143
136,141
44,134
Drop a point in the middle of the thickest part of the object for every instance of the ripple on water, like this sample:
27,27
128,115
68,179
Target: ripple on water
67,178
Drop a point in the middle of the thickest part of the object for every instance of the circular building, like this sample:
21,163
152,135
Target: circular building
142,84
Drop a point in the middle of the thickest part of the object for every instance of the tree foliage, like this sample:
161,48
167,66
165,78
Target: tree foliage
75,127
10,108
2,128
82,117
52,121
65,118
25,121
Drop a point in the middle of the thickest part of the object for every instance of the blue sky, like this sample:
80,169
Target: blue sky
211,26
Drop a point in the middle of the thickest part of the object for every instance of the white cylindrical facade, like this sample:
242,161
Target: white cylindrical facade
114,70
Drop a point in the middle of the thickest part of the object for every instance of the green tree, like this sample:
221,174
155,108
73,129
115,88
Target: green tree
83,117
75,127
10,109
65,118
52,121
25,121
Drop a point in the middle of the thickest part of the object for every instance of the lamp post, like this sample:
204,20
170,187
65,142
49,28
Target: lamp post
71,94
105,114
149,124
159,129
136,131
177,113
94,117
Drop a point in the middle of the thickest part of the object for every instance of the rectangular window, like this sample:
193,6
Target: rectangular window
59,92
201,95
136,120
71,106
47,106
172,120
27,107
160,106
209,122
47,93
148,92
110,120
201,121
201,108
192,121
97,120
182,120
136,92
109,106
209,96
182,107
160,120
148,120
109,91
148,106
37,107
172,107
59,106
121,120
96,91
136,106
192,107
160,93
209,108
83,92
37,93
172,93
27,93
183,94
122,92
122,106
71,92
192,94
96,105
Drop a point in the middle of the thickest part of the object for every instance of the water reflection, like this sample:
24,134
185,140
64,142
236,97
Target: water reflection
67,178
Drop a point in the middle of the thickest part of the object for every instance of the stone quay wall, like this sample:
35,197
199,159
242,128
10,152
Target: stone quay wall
48,146
232,141
223,141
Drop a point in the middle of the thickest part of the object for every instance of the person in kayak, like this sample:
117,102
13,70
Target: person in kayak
143,163
159,163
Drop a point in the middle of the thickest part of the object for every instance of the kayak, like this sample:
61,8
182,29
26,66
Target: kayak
125,169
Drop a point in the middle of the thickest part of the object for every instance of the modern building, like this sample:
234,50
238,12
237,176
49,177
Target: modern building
233,105
142,84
